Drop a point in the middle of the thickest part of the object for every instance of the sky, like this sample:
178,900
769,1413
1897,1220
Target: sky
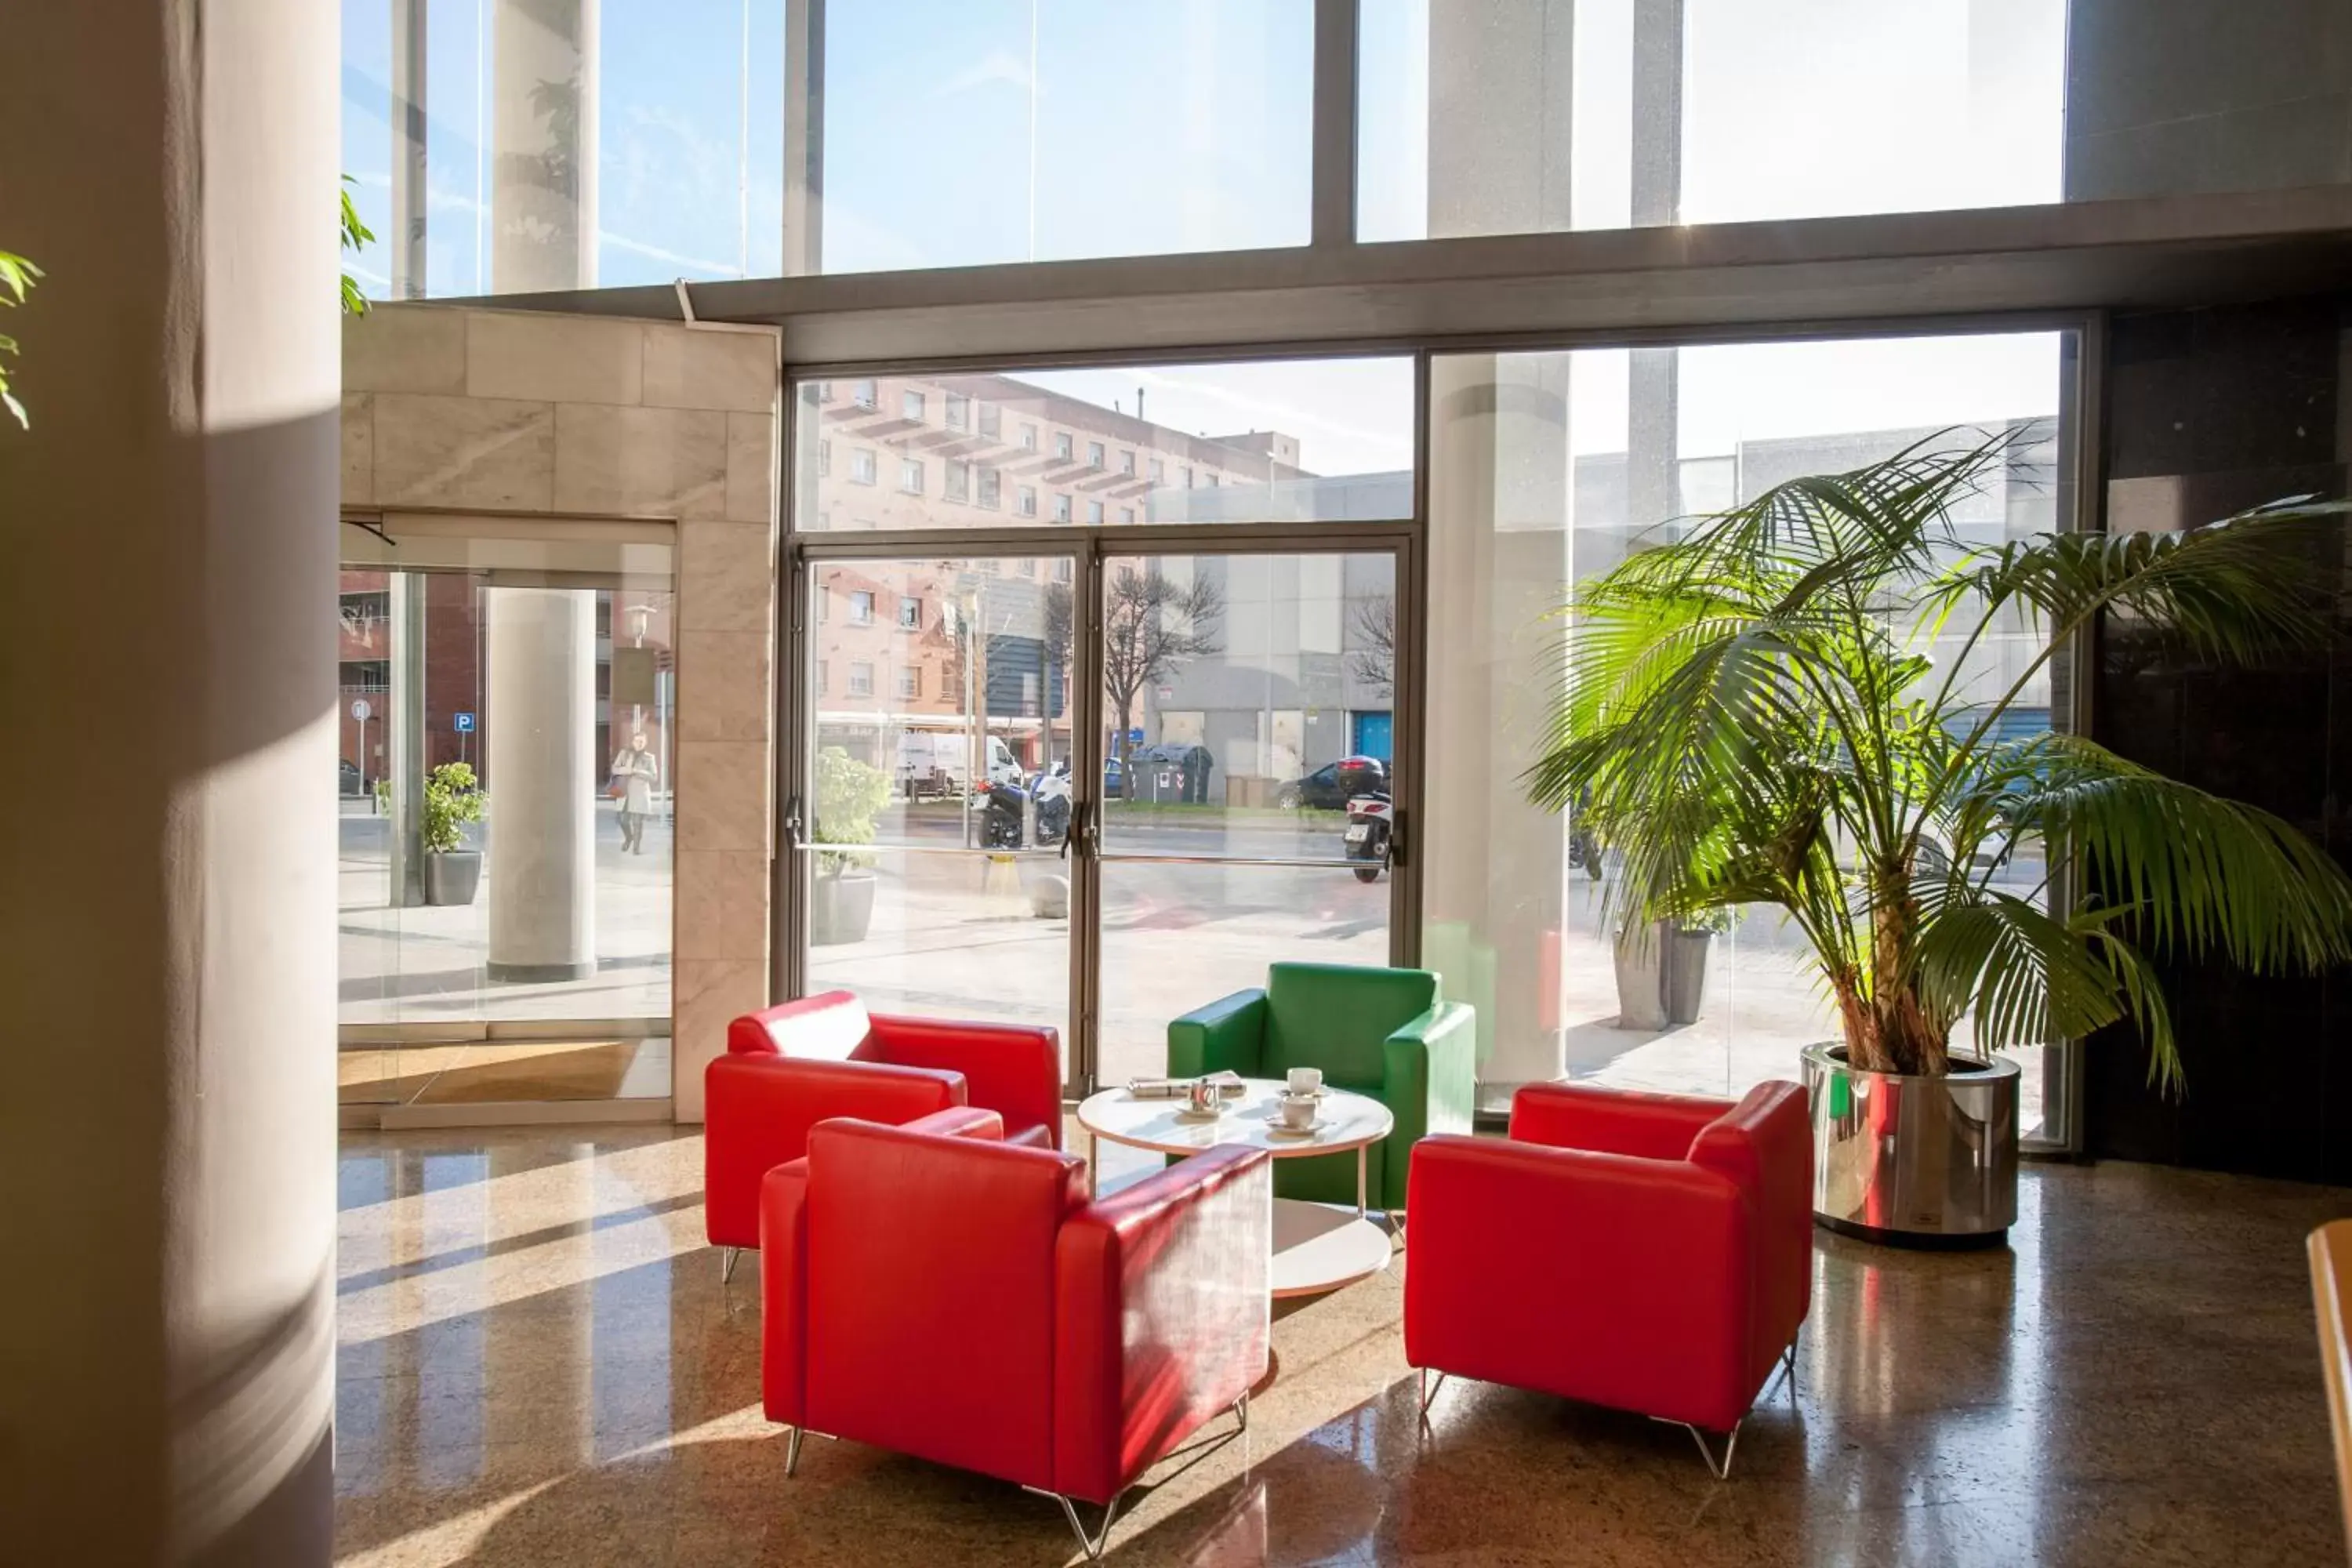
963,131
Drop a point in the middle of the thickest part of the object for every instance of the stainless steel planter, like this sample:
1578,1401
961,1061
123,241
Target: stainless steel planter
1918,1161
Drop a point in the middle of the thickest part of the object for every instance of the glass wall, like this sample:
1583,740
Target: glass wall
1524,116
1548,469
1276,441
505,829
563,143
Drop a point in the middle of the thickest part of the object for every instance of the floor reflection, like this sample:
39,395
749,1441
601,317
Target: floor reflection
539,1363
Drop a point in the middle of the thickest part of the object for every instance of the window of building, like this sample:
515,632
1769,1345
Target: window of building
1094,511
861,466
824,519
1188,479
1062,445
910,613
1213,481
910,405
957,478
992,487
824,392
824,604
861,607
823,459
1127,464
910,684
861,679
1028,568
1063,571
992,421
1029,436
866,394
1094,454
910,475
1025,502
1061,508
824,680
958,412
1127,514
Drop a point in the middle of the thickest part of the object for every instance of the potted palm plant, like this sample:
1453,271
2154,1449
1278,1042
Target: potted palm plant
1796,703
849,795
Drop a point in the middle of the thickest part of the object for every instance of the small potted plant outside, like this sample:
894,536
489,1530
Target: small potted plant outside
849,795
1779,707
1686,948
452,799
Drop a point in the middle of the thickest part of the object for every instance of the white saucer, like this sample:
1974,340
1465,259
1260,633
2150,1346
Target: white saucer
1277,1130
1200,1117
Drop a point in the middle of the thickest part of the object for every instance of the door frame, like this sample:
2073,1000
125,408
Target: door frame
1087,546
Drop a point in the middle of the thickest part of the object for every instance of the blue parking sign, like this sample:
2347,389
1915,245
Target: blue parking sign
463,722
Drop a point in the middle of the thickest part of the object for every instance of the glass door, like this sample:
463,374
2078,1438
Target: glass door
1246,697
933,818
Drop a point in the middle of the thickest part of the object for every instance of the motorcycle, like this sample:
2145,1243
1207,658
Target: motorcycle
1050,791
1000,807
1372,824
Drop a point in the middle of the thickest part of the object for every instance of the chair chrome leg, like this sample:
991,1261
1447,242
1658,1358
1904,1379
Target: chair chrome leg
1429,1390
1788,1361
793,1450
1720,1472
728,1257
1091,1545
1240,1409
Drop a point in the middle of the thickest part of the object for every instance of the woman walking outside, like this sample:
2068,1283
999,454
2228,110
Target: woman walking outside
635,774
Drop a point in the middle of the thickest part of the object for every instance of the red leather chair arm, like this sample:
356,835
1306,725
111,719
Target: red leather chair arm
1011,1068
1163,1314
782,1239
1611,1121
757,1109
1602,1277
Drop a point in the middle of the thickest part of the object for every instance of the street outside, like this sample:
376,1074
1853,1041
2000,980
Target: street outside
958,934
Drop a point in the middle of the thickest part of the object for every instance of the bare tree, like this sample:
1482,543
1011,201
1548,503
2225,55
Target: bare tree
1152,626
1373,658
1055,632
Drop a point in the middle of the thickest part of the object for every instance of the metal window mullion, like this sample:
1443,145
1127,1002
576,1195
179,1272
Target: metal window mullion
1332,191
1087,771
1409,774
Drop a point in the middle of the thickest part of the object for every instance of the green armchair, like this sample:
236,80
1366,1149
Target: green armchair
1386,1033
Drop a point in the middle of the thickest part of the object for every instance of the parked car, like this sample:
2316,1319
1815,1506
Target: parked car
348,778
1331,787
1114,779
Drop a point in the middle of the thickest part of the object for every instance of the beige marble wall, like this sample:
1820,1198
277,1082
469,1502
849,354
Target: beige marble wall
473,411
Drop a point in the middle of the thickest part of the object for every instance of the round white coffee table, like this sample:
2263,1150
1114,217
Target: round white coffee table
1318,1248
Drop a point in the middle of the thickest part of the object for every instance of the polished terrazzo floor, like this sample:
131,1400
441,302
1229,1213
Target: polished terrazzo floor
539,1365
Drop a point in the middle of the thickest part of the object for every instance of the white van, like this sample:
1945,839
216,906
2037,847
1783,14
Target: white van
937,762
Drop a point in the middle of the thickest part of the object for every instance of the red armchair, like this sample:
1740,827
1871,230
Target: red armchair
788,1068
929,1289
1649,1252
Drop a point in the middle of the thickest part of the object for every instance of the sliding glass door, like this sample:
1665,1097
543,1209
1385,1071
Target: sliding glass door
1246,697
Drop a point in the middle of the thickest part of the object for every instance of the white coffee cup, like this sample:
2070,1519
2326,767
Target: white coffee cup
1306,1080
1201,1096
1298,1112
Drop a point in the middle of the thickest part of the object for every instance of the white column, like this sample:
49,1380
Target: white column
539,731
543,145
167,1141
539,750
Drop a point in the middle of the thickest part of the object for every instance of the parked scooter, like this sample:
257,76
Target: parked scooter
1372,824
1050,795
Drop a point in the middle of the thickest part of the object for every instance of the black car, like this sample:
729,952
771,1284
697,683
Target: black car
1333,785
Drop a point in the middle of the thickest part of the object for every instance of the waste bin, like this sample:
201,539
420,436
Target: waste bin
1157,774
